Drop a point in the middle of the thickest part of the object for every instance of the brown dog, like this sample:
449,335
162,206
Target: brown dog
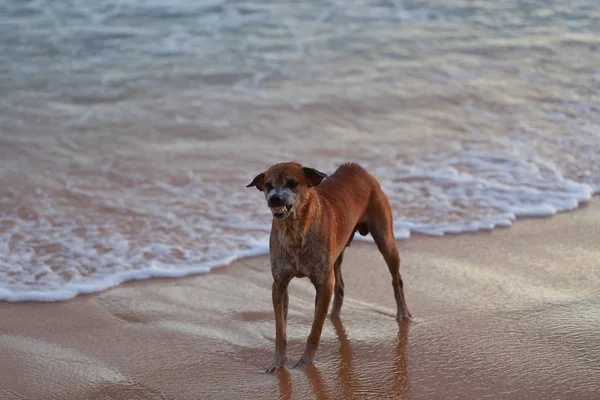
315,219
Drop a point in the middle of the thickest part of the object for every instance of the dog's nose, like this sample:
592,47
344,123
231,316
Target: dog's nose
275,201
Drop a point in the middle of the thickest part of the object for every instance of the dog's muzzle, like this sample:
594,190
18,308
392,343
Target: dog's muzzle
280,202
281,212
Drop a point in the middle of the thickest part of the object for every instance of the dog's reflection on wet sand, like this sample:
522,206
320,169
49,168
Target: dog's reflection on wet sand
350,387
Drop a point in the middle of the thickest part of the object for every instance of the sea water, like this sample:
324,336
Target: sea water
129,129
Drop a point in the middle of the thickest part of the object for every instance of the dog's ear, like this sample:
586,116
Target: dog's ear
258,181
313,176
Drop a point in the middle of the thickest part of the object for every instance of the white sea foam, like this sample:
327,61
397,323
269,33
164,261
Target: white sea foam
433,197
70,290
132,162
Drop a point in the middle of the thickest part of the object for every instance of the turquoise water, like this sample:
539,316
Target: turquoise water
129,129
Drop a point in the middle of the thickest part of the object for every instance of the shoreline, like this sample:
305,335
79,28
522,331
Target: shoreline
150,273
504,313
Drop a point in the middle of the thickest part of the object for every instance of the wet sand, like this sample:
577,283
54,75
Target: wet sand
513,313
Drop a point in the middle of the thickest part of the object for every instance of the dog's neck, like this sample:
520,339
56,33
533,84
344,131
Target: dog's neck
296,226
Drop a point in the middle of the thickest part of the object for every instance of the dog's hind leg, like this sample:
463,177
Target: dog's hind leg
380,227
338,297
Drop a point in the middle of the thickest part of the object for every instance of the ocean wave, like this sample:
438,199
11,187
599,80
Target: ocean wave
130,129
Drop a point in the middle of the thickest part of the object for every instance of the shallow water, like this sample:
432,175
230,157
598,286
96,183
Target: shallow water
129,129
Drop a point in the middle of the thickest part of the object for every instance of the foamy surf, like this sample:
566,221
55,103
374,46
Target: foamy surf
115,259
70,290
131,162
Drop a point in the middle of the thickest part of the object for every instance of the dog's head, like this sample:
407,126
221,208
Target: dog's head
285,184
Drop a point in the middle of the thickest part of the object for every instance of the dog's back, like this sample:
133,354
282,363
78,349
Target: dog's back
355,197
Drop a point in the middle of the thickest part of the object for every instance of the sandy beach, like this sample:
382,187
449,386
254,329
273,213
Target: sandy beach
129,131
513,313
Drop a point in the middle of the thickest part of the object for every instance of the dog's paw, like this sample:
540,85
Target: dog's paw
275,365
403,317
305,360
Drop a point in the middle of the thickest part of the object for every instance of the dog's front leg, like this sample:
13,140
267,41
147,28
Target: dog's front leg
323,298
280,303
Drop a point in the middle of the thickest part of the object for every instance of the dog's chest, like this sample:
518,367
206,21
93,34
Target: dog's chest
291,240
299,269
304,255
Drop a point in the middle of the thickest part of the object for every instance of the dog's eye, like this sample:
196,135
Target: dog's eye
291,184
268,186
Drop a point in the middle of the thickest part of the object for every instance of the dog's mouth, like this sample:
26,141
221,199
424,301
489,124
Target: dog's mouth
281,212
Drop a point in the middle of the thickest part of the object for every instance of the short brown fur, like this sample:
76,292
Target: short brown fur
311,240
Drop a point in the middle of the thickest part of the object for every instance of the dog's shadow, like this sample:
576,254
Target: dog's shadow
348,384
